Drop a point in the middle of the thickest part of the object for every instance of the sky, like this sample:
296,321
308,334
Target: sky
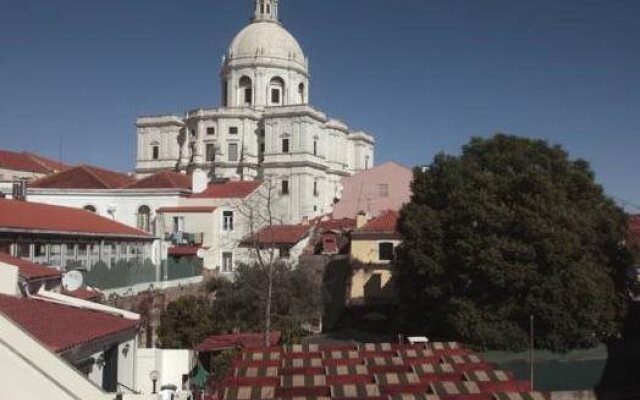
423,76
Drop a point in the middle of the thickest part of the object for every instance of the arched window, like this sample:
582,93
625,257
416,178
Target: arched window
144,218
89,208
225,93
246,91
301,94
276,91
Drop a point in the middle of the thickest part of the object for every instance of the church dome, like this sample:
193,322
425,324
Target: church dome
266,40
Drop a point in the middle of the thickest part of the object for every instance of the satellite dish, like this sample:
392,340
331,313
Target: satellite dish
200,253
72,280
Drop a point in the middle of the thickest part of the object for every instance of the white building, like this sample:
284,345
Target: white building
265,127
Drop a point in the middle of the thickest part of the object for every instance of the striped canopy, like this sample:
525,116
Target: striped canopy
249,393
375,347
257,372
486,376
448,388
261,356
339,354
461,359
384,361
357,390
302,362
416,353
302,348
411,396
347,370
426,369
294,381
396,379
519,396
441,346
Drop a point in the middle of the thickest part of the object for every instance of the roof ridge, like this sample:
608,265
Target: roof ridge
90,171
36,159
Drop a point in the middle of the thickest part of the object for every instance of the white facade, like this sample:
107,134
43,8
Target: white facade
171,365
265,127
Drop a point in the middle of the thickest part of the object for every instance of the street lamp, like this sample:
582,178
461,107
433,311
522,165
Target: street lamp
154,378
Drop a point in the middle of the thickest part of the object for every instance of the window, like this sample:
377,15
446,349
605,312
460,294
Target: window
178,224
276,88
225,94
315,147
211,131
227,220
89,208
210,152
385,251
301,98
261,148
366,162
285,187
285,145
227,261
246,90
285,252
315,189
193,133
144,218
155,152
233,130
383,190
233,152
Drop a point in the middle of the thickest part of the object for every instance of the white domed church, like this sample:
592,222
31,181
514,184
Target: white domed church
265,127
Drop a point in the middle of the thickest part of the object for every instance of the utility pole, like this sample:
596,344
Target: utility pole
531,353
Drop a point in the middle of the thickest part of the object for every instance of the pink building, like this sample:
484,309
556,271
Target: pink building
385,187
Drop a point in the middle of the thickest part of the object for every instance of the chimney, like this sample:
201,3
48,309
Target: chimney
20,190
199,180
361,219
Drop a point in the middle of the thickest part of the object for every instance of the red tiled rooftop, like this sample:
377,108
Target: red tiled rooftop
342,224
34,217
163,180
386,222
243,340
279,234
84,177
183,250
60,327
29,270
187,209
228,190
83,294
29,162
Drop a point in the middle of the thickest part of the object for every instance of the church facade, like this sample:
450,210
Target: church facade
265,127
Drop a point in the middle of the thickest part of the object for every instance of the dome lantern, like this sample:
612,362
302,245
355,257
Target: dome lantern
266,10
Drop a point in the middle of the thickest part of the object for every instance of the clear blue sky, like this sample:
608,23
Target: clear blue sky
422,75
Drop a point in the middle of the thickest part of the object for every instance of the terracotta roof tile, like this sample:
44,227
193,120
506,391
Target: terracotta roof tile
163,180
22,215
229,190
84,177
186,209
28,162
342,224
29,270
280,234
60,327
183,250
386,222
84,294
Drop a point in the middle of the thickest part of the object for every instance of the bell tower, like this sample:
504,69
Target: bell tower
266,10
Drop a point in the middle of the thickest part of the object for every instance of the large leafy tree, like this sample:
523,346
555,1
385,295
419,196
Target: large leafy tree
512,228
185,323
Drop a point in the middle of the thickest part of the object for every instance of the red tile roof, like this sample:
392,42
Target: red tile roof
228,190
343,224
84,294
163,180
34,217
29,270
193,209
243,340
61,327
386,222
84,177
279,234
28,162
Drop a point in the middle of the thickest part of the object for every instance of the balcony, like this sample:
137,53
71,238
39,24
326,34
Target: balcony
185,238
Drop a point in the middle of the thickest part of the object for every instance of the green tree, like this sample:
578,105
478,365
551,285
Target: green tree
512,228
185,323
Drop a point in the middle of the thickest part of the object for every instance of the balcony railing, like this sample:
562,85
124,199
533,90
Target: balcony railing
185,238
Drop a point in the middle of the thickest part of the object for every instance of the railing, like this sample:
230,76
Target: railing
184,238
